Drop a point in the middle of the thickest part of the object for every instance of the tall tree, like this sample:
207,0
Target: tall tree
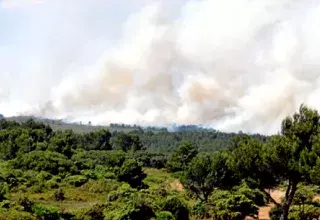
182,156
205,173
127,142
131,172
291,157
294,155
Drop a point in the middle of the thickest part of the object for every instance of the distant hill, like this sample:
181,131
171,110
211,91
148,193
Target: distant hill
1,116
156,139
80,127
85,128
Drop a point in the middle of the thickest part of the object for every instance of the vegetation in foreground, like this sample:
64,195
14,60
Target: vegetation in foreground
137,175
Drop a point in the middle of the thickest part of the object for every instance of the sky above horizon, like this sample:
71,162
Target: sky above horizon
57,35
232,65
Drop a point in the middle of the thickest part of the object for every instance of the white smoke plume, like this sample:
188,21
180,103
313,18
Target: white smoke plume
232,65
17,3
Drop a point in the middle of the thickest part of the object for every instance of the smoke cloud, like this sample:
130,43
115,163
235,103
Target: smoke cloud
231,65
17,3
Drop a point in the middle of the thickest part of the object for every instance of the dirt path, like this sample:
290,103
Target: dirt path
264,211
176,185
277,195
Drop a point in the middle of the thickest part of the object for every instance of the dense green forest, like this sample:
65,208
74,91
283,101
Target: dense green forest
49,170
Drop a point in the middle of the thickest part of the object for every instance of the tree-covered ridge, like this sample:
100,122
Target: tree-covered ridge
155,139
140,174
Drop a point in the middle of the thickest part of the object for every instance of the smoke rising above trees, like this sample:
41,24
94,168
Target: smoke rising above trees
233,65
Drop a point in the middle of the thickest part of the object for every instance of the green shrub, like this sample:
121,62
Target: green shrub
164,215
103,172
38,188
306,212
45,212
26,203
43,176
200,210
253,194
101,186
303,206
90,174
30,178
275,213
4,191
77,180
178,208
12,177
123,192
138,211
5,204
41,146
96,212
304,195
131,172
110,175
19,215
51,184
232,205
52,162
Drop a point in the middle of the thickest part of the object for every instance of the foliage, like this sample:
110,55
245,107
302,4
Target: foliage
164,215
201,210
26,203
96,212
255,195
307,212
200,177
182,157
96,140
131,172
177,207
91,159
127,142
45,212
205,173
77,180
292,156
52,162
303,205
136,173
4,191
232,205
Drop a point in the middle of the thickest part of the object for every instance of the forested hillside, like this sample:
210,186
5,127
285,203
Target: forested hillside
139,174
155,139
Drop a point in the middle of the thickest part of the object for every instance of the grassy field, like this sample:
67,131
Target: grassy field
93,192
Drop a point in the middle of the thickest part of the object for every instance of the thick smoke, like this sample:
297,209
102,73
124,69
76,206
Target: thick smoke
232,65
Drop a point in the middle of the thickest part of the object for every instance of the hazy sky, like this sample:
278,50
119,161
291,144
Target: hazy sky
54,36
230,64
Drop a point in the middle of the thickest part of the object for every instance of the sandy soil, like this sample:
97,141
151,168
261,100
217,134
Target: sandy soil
264,211
176,185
